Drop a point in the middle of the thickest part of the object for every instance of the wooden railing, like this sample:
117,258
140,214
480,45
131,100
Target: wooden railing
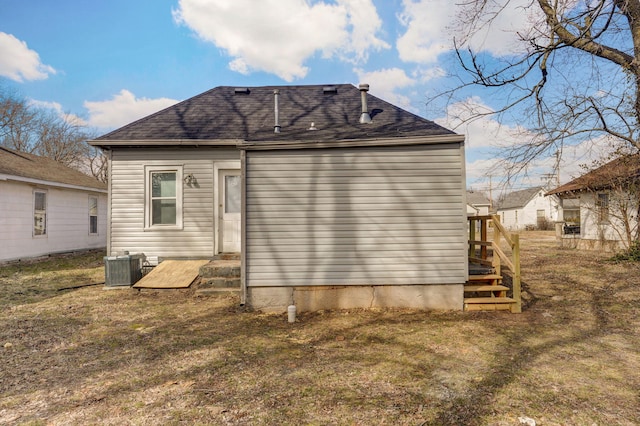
479,253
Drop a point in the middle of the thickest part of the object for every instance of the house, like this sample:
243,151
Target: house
477,204
599,210
527,209
334,198
48,208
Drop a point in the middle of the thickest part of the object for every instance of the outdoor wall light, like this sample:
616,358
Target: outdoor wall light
190,179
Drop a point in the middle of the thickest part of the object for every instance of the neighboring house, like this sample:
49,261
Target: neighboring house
527,209
48,208
335,198
599,210
477,204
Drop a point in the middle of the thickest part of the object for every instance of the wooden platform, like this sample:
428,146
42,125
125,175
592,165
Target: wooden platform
172,274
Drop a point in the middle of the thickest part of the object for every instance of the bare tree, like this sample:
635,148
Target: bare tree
577,79
18,122
41,131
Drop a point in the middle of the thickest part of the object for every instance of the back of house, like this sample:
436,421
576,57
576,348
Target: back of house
333,197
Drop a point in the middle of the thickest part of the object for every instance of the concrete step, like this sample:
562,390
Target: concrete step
228,256
221,269
219,283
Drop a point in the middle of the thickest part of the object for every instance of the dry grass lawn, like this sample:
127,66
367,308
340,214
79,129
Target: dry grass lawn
114,357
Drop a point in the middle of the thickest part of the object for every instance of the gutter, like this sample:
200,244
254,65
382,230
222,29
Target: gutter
420,140
164,142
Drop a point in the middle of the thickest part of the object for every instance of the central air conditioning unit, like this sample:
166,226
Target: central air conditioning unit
125,270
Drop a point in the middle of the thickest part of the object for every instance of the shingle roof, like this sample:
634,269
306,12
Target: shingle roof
618,171
248,115
477,199
518,199
31,166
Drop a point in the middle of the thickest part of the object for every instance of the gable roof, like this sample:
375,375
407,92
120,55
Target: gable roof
620,170
477,199
21,166
518,199
230,114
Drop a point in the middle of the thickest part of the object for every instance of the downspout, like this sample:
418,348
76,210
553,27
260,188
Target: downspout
243,227
109,197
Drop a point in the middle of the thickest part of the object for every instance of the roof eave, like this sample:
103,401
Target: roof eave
54,184
413,140
164,142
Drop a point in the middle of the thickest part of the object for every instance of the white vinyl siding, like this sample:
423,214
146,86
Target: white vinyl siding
67,221
128,232
356,216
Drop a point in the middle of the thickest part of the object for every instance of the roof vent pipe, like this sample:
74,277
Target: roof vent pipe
364,117
276,126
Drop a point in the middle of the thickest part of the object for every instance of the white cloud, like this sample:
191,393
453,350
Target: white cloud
431,26
473,118
57,109
426,34
278,36
384,83
122,109
20,63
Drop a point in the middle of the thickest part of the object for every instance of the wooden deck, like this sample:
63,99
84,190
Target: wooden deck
172,274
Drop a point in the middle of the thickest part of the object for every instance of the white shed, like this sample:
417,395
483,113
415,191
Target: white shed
48,208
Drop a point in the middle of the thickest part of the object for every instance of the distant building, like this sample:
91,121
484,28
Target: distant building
477,204
599,209
528,209
48,208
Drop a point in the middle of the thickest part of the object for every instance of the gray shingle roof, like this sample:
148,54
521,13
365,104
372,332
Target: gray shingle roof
226,113
477,199
518,199
31,166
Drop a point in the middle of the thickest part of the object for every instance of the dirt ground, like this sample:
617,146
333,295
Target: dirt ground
118,357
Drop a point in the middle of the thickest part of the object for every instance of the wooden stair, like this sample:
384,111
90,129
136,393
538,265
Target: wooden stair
489,260
486,293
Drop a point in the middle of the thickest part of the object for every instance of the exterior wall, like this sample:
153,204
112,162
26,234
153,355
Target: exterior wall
196,237
377,216
527,216
67,221
609,234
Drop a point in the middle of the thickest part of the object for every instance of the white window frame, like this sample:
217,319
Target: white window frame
148,216
603,201
46,215
97,215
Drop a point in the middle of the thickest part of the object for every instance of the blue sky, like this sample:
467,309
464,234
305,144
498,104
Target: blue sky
111,62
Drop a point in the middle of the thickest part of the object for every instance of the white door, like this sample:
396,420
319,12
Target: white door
229,197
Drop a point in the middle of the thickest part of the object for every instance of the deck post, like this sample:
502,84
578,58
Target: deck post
496,242
483,237
517,307
472,237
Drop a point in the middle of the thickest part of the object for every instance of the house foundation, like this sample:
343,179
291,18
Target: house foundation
314,298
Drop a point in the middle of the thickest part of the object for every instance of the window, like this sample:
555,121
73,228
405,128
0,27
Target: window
93,215
602,207
164,198
39,213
